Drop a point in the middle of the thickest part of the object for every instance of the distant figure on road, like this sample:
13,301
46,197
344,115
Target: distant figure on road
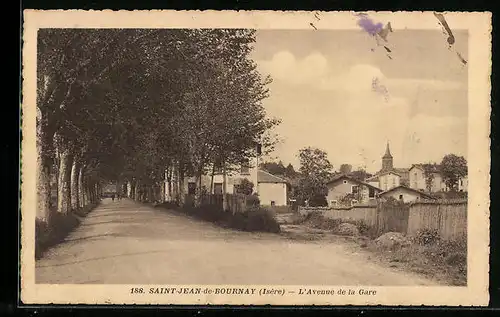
113,197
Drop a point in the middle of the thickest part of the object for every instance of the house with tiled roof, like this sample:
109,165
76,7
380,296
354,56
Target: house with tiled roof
404,194
272,189
426,177
344,189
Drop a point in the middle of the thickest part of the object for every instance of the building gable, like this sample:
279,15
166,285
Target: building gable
406,189
349,180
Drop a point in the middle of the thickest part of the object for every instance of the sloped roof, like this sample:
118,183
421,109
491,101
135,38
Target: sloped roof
388,172
396,170
372,178
266,177
402,170
343,176
408,189
434,168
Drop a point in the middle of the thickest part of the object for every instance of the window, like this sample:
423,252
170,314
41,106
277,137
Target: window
191,188
354,189
371,192
218,167
394,181
401,197
218,188
345,182
273,203
245,167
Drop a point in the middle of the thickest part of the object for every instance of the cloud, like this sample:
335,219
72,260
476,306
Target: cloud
315,70
284,66
338,111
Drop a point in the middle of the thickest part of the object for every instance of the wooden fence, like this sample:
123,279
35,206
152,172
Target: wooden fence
449,217
279,209
235,202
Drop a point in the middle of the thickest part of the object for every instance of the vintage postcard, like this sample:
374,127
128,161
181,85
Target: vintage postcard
283,158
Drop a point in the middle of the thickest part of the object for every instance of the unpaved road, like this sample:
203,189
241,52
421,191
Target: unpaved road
123,242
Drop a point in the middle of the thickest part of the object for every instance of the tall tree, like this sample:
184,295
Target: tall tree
315,172
453,167
429,173
360,175
345,168
290,171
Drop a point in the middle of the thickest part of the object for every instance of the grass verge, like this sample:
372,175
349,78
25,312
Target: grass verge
254,219
424,253
48,235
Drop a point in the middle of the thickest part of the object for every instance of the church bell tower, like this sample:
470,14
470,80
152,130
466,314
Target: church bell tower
387,159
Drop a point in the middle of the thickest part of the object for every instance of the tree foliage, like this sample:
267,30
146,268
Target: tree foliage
360,175
129,104
429,173
453,167
345,168
315,171
245,187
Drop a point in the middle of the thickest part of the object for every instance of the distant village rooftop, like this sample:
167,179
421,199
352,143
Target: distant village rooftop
407,189
266,177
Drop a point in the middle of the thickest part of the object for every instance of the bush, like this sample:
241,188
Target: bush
168,205
212,213
317,220
254,219
297,218
364,228
238,221
263,220
252,200
318,201
426,237
58,228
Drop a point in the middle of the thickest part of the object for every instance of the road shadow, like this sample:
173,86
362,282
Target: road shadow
102,258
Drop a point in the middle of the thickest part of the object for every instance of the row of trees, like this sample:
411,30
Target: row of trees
138,105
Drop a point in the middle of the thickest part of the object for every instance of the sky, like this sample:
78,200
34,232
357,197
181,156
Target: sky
323,91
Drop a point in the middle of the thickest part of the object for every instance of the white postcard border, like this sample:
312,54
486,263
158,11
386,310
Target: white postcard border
479,67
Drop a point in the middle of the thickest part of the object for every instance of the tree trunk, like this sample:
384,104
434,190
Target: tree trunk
149,192
43,168
64,188
175,183
163,191
224,188
197,192
212,180
75,171
93,197
136,191
182,191
96,191
43,186
81,190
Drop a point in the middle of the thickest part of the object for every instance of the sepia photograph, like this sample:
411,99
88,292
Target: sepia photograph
331,159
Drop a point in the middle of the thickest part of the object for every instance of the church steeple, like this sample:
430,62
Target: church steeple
387,152
387,162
